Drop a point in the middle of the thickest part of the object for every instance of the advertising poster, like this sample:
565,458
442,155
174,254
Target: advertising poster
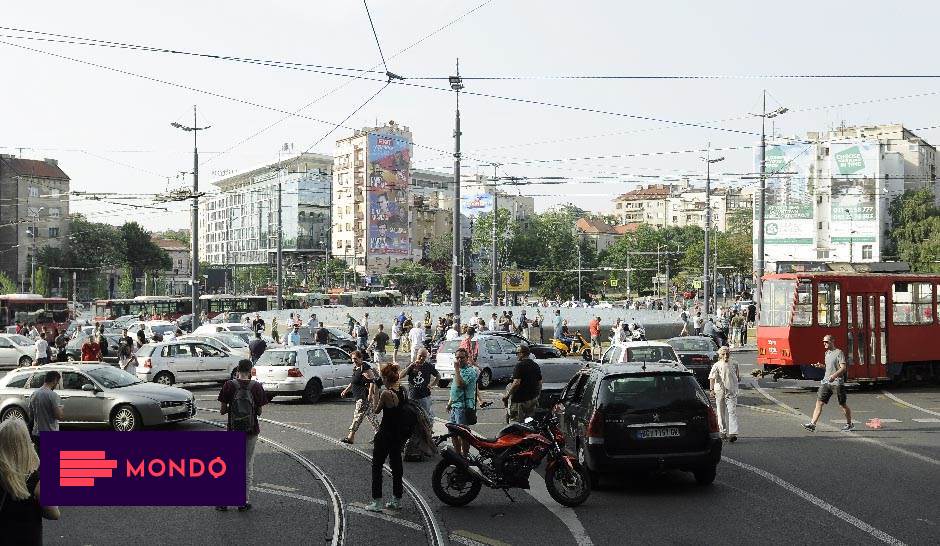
474,205
515,281
389,177
788,194
854,167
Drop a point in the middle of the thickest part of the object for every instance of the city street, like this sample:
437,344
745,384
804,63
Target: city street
778,484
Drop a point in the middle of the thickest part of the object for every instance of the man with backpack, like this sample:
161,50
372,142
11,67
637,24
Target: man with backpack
241,400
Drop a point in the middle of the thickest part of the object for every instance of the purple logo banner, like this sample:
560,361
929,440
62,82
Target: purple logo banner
153,468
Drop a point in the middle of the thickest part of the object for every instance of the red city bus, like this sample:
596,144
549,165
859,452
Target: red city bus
882,321
48,312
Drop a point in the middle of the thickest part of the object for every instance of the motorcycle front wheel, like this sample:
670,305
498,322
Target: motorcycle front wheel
453,485
568,487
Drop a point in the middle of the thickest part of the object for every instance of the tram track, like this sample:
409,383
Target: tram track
336,500
435,534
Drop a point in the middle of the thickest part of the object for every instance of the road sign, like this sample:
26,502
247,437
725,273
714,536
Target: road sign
697,283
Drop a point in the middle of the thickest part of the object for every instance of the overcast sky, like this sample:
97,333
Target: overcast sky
111,131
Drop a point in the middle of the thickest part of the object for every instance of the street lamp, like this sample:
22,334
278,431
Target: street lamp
761,213
456,84
708,222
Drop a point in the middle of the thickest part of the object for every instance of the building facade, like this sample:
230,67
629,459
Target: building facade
827,198
601,235
175,281
667,205
34,210
238,225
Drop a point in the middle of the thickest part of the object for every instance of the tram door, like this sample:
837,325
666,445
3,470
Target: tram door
866,344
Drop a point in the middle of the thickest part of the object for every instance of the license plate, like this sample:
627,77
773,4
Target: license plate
659,432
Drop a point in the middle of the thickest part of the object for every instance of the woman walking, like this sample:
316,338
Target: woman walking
21,513
388,440
723,382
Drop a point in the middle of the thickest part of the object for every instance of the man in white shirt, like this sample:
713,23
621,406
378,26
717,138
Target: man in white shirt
452,333
416,337
313,324
42,351
494,322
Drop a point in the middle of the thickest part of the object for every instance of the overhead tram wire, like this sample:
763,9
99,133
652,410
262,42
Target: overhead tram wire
345,119
376,35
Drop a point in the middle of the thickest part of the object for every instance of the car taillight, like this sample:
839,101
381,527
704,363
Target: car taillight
712,420
146,363
294,372
595,428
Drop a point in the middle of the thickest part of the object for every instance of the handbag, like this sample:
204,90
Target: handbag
469,414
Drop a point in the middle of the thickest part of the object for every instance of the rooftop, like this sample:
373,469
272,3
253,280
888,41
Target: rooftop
170,244
47,168
655,191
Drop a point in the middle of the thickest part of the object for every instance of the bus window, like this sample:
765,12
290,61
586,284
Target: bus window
777,302
803,309
912,302
828,312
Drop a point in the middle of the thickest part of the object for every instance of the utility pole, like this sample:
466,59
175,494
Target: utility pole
494,274
762,202
456,84
280,237
579,271
194,225
708,225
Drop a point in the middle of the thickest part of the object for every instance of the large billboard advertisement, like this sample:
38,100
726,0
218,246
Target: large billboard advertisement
389,177
854,167
476,204
788,195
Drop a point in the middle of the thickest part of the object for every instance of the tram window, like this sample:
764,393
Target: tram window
803,308
912,303
776,304
828,296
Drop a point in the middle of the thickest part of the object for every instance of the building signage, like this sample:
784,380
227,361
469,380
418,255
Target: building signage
95,468
389,178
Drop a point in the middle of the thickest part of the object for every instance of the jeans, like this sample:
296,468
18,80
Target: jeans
425,404
250,441
387,446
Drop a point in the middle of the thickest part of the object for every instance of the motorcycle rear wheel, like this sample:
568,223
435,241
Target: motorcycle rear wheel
566,487
453,485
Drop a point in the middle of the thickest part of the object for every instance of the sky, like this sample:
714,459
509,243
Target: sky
110,131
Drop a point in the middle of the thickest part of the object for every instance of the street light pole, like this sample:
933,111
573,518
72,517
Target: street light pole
708,225
579,271
762,201
456,84
280,237
194,227
494,280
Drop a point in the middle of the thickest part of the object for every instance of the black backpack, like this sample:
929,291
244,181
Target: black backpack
408,420
242,416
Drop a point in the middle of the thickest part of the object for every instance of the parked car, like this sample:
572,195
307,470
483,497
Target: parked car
228,342
222,327
697,353
73,351
539,350
93,392
640,416
307,371
339,338
496,359
229,317
165,328
184,361
16,351
641,352
123,320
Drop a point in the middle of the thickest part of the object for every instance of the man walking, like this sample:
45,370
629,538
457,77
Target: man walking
833,382
241,400
42,351
557,322
723,384
379,343
323,335
362,376
594,328
257,347
698,323
422,375
416,338
45,407
522,396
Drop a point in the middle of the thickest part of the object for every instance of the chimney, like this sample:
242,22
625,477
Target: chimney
51,161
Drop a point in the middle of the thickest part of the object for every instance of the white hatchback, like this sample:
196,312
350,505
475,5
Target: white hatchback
306,371
184,361
16,351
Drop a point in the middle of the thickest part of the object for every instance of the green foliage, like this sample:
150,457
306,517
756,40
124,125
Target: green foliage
41,282
93,245
330,273
482,243
915,233
7,286
126,283
140,252
412,278
181,235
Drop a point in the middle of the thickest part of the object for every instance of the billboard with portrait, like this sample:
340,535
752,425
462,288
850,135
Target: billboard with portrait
389,177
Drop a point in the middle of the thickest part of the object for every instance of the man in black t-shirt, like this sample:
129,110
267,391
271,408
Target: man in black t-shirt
522,396
379,342
323,335
257,347
422,375
362,377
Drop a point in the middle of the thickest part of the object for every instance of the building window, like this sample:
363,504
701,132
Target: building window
54,212
866,252
33,191
53,232
30,231
822,254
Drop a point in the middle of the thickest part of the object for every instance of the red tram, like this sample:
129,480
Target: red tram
883,322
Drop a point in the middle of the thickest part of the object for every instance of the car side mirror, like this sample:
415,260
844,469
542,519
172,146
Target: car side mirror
88,387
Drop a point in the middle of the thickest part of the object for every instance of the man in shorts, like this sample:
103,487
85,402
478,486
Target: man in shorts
594,328
833,382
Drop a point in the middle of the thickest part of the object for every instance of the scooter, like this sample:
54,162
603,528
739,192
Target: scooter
577,346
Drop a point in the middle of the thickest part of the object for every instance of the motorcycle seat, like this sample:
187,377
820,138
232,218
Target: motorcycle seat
516,428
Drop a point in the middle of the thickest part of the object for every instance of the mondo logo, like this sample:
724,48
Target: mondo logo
196,468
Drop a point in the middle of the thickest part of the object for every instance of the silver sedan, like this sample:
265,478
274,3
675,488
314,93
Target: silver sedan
98,393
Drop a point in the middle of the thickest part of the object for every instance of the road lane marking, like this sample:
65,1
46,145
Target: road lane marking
927,420
287,494
880,419
278,487
818,502
478,538
909,405
849,435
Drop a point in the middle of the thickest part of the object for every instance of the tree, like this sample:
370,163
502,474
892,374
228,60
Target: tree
181,235
41,282
94,245
412,278
915,233
330,272
546,243
7,286
482,243
141,254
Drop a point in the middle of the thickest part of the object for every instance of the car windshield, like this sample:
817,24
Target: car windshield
22,341
449,346
112,378
651,391
692,344
649,354
163,328
237,328
277,358
231,340
339,334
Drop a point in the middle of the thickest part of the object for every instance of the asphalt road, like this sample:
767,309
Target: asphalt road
779,484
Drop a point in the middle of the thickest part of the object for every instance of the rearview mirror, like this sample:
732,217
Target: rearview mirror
88,387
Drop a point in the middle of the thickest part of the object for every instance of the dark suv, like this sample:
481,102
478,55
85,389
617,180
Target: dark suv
645,416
